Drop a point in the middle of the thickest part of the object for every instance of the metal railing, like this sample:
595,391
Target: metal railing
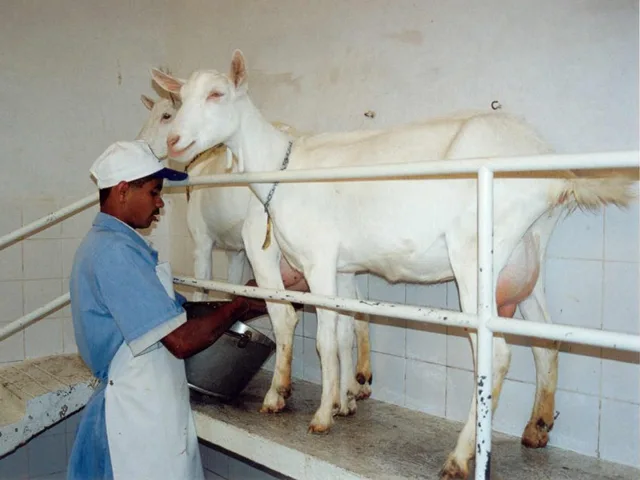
484,322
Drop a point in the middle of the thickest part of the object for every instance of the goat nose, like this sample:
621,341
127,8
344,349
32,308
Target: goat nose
172,140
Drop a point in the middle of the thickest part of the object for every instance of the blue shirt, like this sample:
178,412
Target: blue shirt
116,297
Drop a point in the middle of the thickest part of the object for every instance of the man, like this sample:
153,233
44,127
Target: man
132,332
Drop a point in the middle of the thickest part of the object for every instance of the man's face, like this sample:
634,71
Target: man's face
143,203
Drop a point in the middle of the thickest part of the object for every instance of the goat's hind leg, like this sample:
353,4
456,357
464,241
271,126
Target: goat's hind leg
364,376
536,433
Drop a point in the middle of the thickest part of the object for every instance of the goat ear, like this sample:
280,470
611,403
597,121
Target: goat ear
166,81
175,100
147,102
238,73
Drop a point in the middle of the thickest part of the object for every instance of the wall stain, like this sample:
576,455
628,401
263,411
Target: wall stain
411,37
119,73
271,80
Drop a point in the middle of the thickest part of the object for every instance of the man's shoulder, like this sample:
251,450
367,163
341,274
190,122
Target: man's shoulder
104,247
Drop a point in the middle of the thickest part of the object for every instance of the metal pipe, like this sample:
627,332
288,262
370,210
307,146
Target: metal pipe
47,221
486,301
566,333
614,159
37,314
587,336
409,312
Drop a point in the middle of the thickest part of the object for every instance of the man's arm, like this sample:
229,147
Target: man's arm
207,322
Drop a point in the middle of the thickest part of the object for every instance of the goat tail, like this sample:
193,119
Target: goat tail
591,193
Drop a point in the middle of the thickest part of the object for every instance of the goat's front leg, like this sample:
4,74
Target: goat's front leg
321,277
266,268
202,267
349,388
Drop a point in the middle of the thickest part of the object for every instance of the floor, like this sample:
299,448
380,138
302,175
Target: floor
380,441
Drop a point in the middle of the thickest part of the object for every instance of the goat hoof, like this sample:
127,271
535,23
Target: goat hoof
285,392
319,429
452,469
273,403
536,434
364,392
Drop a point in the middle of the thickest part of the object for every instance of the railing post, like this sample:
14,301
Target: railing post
484,353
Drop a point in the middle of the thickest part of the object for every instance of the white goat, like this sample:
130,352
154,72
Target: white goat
420,230
215,216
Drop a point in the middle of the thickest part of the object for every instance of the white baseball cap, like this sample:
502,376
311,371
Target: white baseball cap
128,161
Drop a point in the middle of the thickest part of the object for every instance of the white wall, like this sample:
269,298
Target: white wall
570,68
70,85
71,76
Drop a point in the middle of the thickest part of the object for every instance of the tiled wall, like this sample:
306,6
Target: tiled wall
591,281
45,458
36,271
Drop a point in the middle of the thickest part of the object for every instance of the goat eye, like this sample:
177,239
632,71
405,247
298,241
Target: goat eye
215,95
166,116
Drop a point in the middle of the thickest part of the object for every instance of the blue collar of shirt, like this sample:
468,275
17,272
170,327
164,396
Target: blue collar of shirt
109,222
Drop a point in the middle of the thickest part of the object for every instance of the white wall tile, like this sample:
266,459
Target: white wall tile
427,295
209,475
56,429
388,335
427,342
514,407
15,466
240,470
453,297
579,235
389,379
218,462
11,301
68,247
426,386
43,338
39,292
310,318
579,369
621,304
621,233
311,367
621,377
12,348
42,259
574,292
263,322
619,432
459,351
11,218
299,330
460,391
72,422
362,281
297,365
11,262
383,291
36,208
576,427
68,337
47,454
219,259
522,366
79,224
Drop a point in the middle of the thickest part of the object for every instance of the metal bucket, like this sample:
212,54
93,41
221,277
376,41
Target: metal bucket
225,368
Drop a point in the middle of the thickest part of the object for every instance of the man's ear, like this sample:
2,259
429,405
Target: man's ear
121,190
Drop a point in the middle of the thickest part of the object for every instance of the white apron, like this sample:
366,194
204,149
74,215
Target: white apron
150,426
